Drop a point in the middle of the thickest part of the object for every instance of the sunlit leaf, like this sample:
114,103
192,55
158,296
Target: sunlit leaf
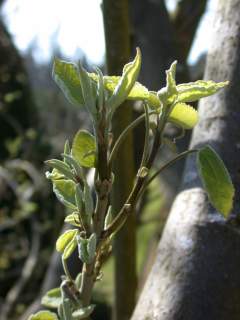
216,180
83,312
52,299
65,239
193,91
84,148
70,247
65,192
43,315
184,116
126,82
66,76
73,219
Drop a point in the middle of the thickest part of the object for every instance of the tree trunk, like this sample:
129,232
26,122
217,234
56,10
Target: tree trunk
118,49
196,272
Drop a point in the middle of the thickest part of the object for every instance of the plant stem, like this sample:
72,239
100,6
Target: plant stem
124,134
66,270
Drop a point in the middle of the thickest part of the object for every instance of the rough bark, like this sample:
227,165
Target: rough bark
118,49
196,272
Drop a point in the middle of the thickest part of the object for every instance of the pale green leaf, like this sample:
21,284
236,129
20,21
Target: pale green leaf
193,91
43,315
84,148
216,180
73,219
126,82
65,192
65,239
70,247
83,312
171,83
184,115
66,76
52,299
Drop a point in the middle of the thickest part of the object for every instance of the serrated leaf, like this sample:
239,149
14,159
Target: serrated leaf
84,148
193,91
65,192
216,180
67,78
83,312
43,315
73,219
65,239
52,299
184,115
126,82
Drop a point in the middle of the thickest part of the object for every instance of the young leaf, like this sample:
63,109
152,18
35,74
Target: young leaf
61,167
83,313
184,115
65,239
88,93
171,83
82,249
67,78
65,192
73,219
70,247
52,299
126,82
216,180
84,149
43,315
91,247
193,91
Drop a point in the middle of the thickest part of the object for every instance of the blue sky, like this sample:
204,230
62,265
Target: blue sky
77,24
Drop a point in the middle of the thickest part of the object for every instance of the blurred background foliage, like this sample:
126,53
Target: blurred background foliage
35,120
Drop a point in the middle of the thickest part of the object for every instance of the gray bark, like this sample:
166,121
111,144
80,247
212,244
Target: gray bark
196,272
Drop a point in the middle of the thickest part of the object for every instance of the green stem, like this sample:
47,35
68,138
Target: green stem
146,140
165,166
66,270
124,134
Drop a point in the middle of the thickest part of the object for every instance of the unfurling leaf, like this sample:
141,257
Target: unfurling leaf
193,91
184,115
84,149
73,219
171,83
88,91
87,248
65,192
126,82
65,239
216,180
83,313
70,247
91,247
66,76
61,167
52,299
43,315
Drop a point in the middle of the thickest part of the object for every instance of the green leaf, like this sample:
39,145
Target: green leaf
82,249
126,82
193,91
84,149
43,315
171,83
91,247
73,219
67,78
61,167
88,90
65,239
52,299
71,246
83,312
88,200
65,192
184,115
216,180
